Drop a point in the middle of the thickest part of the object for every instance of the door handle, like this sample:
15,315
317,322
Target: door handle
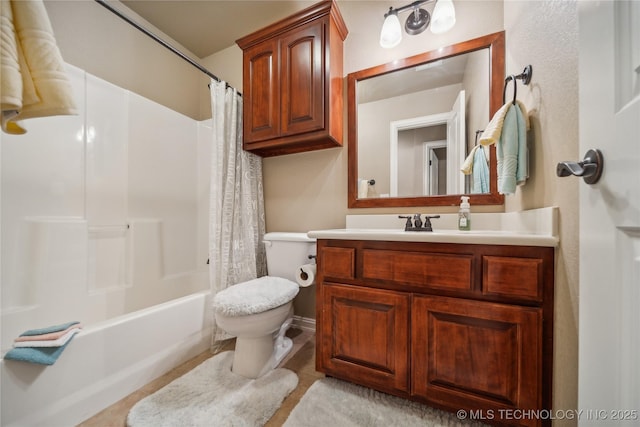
590,168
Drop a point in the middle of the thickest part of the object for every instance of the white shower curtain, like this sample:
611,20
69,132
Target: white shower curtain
237,221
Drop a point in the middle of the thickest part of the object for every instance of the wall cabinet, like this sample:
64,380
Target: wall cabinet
293,83
454,326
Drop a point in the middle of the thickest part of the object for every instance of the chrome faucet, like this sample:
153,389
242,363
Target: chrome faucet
417,224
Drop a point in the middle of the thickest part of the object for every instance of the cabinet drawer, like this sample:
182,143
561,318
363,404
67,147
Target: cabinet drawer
338,262
512,277
416,268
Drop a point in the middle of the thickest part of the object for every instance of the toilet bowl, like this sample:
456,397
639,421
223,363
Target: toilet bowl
258,312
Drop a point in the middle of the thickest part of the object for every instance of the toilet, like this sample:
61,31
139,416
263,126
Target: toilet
258,312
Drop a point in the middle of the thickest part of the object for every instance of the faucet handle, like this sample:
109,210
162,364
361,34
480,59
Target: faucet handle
408,224
427,221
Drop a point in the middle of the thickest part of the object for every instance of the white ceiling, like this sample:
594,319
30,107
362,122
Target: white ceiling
208,26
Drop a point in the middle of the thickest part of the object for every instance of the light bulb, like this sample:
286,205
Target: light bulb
391,33
444,17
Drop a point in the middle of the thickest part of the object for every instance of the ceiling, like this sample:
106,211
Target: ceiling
208,26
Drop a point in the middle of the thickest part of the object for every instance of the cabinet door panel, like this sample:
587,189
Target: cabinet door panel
365,335
261,85
480,354
303,79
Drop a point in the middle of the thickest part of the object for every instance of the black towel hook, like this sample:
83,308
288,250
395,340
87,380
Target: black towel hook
525,76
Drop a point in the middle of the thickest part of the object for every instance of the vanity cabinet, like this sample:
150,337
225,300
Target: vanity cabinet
456,326
293,83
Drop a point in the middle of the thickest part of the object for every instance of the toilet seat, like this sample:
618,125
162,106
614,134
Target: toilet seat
255,296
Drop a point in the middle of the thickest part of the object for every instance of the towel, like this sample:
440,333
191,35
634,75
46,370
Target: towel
62,340
49,329
508,130
33,80
467,165
492,132
480,172
37,355
511,151
50,336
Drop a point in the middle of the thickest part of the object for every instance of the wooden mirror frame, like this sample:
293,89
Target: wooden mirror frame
496,44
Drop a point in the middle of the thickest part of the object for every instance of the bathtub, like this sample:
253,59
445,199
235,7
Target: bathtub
104,363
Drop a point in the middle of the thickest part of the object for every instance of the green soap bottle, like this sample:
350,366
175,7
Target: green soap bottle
464,215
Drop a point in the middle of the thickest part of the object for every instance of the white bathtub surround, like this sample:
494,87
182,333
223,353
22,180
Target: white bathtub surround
105,363
211,394
102,215
236,210
535,227
100,211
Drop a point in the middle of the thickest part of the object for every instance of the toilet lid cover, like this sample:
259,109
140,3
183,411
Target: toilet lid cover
255,296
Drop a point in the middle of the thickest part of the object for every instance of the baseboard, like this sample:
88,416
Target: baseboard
304,323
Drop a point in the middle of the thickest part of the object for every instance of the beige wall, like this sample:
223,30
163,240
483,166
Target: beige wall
545,35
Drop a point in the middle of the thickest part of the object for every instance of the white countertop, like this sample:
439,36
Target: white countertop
537,227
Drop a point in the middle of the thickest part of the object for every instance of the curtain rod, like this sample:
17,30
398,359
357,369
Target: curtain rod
159,40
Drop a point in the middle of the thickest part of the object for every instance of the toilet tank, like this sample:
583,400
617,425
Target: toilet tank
286,252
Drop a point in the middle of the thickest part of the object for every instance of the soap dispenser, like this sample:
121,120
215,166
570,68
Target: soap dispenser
464,215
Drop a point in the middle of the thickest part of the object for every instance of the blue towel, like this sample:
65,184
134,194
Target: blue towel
480,172
38,355
511,151
49,329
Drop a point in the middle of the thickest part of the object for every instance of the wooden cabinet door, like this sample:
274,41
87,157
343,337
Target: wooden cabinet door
477,355
302,72
261,86
364,335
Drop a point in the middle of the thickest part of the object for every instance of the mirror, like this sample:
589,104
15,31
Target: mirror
413,122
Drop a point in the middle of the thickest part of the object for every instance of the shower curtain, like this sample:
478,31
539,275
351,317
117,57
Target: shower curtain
237,220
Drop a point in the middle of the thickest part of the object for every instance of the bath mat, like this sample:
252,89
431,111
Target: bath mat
212,395
331,402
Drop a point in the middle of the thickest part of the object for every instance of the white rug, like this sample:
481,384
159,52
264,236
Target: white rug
334,403
211,395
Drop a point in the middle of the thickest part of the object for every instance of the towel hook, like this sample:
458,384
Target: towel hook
525,76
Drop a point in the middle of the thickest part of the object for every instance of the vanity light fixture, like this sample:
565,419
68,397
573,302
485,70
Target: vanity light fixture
444,18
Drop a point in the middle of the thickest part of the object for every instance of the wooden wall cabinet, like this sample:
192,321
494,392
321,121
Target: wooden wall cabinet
454,326
293,83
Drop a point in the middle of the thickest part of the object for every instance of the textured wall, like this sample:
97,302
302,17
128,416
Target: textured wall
545,35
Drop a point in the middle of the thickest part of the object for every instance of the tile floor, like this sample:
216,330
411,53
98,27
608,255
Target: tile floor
301,360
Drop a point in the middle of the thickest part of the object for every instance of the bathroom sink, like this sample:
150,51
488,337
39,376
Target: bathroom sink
527,228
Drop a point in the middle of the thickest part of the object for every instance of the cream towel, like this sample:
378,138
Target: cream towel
467,165
34,83
492,132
